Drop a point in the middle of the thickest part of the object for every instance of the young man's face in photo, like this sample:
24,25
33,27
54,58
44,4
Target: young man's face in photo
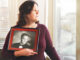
25,39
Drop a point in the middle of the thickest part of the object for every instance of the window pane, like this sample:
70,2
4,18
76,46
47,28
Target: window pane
66,28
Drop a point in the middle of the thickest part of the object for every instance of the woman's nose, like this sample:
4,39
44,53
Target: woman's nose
37,11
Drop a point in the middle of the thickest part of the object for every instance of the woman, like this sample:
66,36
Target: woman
28,18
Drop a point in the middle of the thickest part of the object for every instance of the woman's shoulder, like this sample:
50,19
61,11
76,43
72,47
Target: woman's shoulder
42,26
15,26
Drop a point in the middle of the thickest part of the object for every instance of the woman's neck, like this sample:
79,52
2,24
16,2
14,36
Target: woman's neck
30,25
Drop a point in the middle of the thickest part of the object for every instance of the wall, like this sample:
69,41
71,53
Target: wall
78,30
50,17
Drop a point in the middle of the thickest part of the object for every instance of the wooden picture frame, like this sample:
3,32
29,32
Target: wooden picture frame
21,38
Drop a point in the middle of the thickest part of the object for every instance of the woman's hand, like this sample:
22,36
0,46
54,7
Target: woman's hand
25,52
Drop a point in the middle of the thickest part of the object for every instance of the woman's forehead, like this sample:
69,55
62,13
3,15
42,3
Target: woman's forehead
35,7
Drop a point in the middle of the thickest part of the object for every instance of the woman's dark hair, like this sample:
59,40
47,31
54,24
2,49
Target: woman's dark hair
25,9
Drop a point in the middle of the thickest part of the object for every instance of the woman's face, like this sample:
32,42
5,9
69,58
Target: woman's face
33,16
25,39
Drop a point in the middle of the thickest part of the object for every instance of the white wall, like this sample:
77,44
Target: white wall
78,30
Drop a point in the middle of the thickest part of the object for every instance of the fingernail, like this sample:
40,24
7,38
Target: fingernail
36,53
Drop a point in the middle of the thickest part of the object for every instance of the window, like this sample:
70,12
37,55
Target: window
65,28
4,21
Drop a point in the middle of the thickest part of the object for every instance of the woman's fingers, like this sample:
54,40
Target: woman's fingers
25,52
33,53
30,52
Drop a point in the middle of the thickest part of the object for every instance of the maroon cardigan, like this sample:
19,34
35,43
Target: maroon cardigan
45,44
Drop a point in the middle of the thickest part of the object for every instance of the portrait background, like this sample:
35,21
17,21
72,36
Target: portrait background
17,35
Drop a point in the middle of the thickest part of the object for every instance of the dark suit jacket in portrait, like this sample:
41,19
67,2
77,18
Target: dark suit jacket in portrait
18,45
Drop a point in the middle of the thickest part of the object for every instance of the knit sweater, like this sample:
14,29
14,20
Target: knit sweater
45,45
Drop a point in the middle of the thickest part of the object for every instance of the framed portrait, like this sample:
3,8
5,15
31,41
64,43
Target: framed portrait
21,38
